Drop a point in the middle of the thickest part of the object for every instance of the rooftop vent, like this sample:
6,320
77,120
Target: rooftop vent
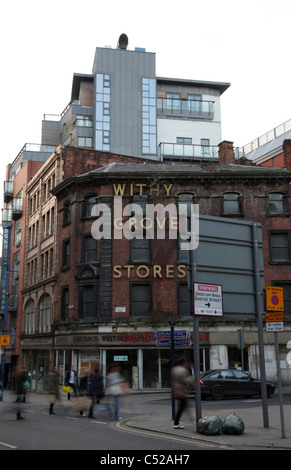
123,41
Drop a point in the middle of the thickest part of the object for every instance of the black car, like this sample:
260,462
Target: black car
231,382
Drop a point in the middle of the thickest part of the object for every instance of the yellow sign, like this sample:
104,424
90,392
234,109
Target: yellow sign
272,317
275,300
5,340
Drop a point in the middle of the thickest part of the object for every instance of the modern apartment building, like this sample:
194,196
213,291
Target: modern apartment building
124,108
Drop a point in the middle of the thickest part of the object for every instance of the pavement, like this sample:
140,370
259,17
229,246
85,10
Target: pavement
155,419
255,436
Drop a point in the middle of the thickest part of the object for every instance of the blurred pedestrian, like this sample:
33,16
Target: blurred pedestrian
70,380
82,398
115,388
54,389
21,384
96,391
180,379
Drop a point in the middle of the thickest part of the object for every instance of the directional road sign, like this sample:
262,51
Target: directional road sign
208,299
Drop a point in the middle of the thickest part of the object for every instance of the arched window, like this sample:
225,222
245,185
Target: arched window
30,317
45,311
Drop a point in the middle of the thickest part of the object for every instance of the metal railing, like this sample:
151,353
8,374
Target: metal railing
190,108
187,151
265,138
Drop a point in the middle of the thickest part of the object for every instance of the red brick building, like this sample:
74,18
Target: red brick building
111,296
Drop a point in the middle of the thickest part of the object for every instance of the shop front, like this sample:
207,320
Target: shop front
144,365
37,357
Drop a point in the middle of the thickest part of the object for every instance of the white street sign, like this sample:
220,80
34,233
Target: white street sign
208,299
272,327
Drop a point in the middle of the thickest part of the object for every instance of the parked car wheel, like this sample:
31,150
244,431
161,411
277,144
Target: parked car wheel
217,393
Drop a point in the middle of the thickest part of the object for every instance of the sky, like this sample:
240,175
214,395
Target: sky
245,43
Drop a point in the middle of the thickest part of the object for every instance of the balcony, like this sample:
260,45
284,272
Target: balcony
185,108
8,191
17,208
187,152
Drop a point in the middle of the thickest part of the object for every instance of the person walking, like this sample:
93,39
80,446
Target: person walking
180,379
115,388
70,380
82,398
96,391
54,389
20,381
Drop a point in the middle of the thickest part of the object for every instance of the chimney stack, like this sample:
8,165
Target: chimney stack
226,153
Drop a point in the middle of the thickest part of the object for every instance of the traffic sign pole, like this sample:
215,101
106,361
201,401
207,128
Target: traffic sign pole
280,387
259,309
191,280
274,323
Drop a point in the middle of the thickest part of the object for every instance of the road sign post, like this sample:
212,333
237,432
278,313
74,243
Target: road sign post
274,323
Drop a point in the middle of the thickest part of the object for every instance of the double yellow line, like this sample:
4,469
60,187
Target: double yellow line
191,440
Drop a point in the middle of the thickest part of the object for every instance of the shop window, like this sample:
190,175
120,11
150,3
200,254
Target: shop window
235,359
30,318
45,310
141,299
279,242
277,204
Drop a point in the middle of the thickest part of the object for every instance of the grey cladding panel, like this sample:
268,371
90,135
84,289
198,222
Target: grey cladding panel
225,256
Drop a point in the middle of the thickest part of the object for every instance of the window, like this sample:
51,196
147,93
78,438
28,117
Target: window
141,300
45,310
102,125
66,213
84,121
287,296
85,142
280,246
66,254
205,149
231,204
276,203
195,102
149,116
65,304
88,302
184,300
174,101
30,317
183,255
141,248
184,140
89,203
89,249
